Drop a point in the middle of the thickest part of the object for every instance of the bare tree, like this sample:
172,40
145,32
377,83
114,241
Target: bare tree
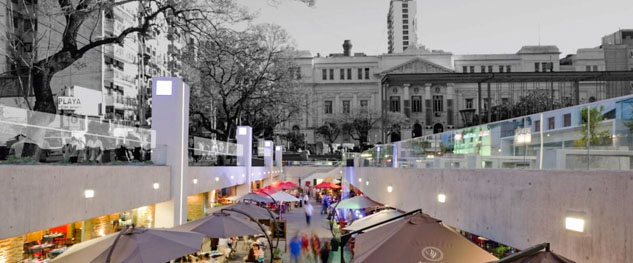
249,79
330,132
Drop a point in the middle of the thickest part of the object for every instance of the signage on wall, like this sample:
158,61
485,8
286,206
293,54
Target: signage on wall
68,103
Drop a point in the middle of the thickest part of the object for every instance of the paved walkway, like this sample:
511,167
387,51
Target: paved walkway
296,223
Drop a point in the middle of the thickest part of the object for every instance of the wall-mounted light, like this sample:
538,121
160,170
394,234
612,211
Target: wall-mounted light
243,175
367,182
360,180
267,143
441,198
277,148
242,131
89,193
389,188
195,181
217,179
575,224
232,177
156,185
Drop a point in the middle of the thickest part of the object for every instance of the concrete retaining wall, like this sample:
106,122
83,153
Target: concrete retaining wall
520,208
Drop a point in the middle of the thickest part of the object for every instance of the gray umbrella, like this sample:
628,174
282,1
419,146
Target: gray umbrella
252,210
134,245
254,197
357,202
221,225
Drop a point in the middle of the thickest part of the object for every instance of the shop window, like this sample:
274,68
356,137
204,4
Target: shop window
567,120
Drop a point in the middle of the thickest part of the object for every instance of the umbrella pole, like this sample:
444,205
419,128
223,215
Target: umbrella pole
274,219
270,242
116,240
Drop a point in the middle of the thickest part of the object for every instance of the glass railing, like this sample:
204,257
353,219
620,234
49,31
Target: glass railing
29,137
211,152
595,136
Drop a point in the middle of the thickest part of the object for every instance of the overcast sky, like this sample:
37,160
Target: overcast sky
457,26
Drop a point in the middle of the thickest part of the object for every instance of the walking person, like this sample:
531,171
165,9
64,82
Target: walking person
305,247
324,204
295,248
316,246
308,210
325,252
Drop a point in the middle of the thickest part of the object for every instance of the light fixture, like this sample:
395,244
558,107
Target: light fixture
341,171
217,179
267,143
389,188
232,177
441,198
89,193
277,148
156,185
242,131
367,182
575,224
195,181
360,180
243,175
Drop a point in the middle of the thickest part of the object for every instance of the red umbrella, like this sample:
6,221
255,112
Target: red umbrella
285,185
267,190
327,185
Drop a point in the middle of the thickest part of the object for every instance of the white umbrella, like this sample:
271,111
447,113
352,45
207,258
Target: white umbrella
282,196
373,219
251,196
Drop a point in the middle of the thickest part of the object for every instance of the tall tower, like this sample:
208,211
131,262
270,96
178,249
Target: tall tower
402,25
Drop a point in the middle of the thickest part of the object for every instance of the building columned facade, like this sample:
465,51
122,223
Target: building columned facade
341,85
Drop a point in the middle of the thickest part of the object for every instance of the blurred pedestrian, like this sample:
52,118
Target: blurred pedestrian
305,247
325,252
295,248
316,246
308,210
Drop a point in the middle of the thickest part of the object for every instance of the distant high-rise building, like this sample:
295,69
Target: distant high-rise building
402,25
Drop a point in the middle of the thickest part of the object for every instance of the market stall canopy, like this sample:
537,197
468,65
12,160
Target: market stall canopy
269,189
328,185
285,185
282,196
221,225
134,245
357,202
416,238
252,197
537,254
373,219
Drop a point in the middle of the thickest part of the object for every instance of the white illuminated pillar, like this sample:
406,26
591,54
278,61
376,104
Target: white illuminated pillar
244,156
268,157
394,156
170,119
278,157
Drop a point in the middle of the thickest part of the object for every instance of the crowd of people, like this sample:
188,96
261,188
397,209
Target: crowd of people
305,248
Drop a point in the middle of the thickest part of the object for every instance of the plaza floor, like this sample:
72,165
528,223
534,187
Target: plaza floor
296,223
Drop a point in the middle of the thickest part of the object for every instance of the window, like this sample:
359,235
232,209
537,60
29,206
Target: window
545,66
364,103
588,68
406,32
508,68
438,103
405,21
536,66
472,69
464,69
366,73
394,103
360,73
501,69
595,67
537,125
405,5
405,10
331,74
324,74
405,27
483,69
490,69
405,37
469,103
342,74
551,124
416,104
346,106
405,43
349,73
328,107
505,101
567,120
405,16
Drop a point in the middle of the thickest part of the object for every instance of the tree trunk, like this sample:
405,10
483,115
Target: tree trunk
44,113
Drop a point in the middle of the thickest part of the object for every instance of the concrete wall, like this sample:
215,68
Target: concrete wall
520,208
41,196
227,176
295,173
